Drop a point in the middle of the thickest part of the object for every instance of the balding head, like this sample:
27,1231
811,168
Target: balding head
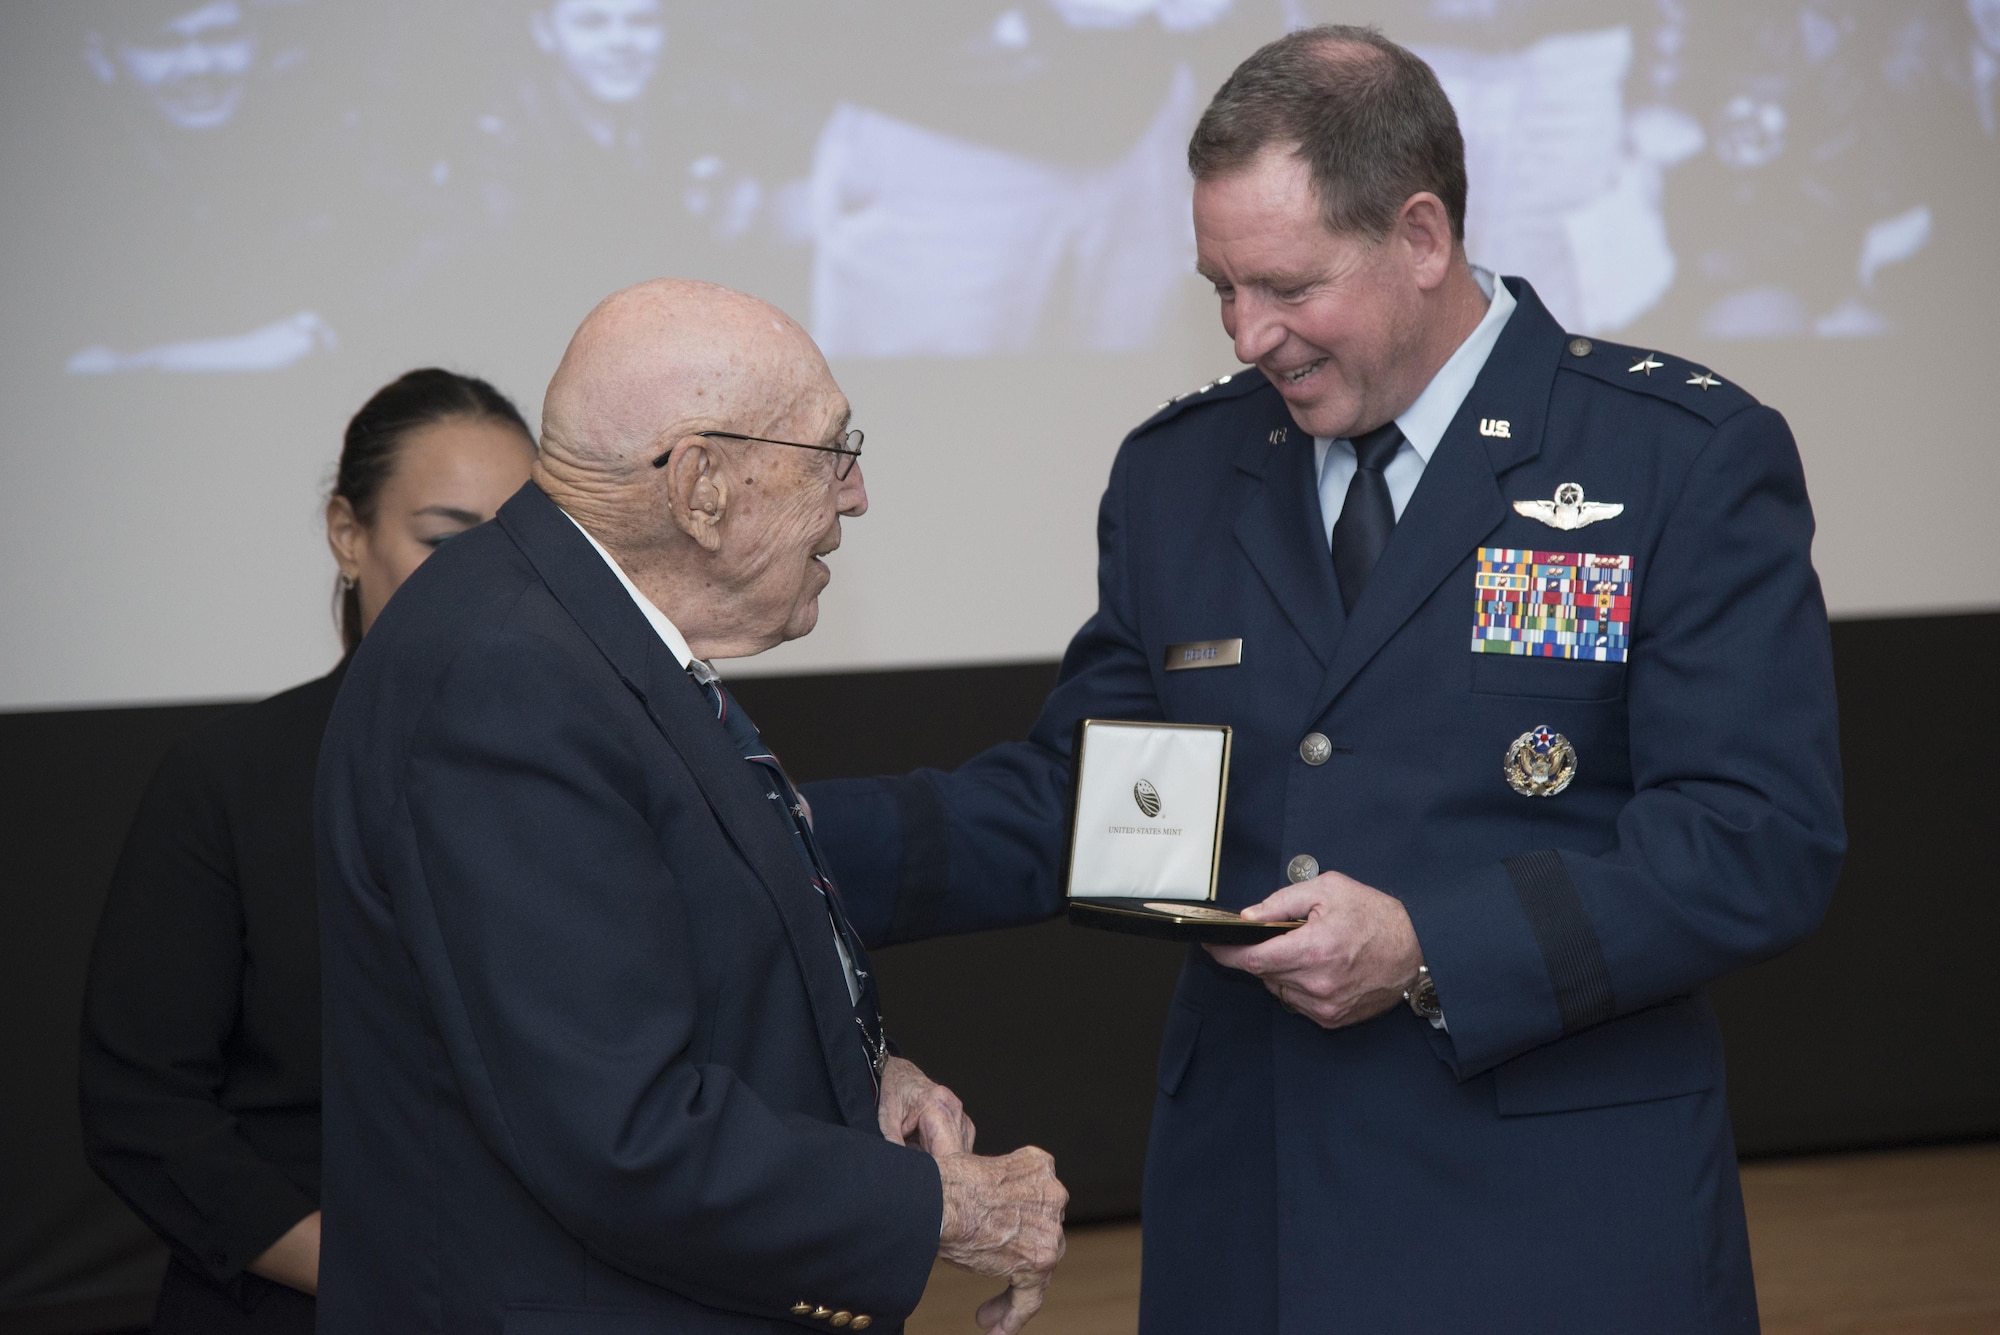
655,361
724,536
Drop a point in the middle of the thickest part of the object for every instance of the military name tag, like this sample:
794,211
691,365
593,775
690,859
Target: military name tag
1552,604
1204,654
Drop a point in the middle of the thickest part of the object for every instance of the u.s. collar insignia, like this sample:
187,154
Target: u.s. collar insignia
1569,510
1540,763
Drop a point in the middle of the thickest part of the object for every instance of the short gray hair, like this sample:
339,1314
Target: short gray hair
1370,119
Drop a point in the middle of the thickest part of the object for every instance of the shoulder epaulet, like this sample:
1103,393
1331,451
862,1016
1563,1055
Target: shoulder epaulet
1658,375
1222,387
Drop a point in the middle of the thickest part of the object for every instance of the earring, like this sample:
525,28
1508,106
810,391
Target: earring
346,583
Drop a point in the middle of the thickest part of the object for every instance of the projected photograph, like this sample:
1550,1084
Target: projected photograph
1739,172
1001,180
195,216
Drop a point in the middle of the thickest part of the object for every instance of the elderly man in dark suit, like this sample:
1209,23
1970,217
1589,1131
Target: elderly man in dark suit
1533,707
602,1051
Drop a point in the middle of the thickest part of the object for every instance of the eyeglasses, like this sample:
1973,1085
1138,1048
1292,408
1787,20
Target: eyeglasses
849,448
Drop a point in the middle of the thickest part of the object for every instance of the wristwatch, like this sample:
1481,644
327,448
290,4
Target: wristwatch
1423,997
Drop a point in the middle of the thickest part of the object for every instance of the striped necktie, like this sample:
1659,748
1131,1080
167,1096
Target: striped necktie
861,990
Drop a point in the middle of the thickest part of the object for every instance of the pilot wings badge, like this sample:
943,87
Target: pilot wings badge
1569,510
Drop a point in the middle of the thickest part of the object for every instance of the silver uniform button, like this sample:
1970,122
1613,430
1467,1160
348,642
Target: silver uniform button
1315,749
1579,347
1302,868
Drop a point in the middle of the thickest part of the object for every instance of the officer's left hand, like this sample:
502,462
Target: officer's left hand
912,1103
1352,960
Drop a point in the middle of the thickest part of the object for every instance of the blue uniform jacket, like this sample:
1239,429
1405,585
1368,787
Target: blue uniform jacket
1561,1159
590,1060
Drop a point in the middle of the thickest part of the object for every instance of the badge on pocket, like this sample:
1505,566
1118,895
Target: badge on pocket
1574,605
1540,763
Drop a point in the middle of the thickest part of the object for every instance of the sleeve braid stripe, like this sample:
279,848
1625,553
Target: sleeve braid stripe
926,869
1569,945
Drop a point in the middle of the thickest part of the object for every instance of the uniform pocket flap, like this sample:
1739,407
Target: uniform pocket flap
1547,678
1177,1045
1669,1049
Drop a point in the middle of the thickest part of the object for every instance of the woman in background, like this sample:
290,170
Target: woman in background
200,1069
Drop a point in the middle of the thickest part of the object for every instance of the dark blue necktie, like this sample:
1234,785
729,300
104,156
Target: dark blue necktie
1367,515
778,788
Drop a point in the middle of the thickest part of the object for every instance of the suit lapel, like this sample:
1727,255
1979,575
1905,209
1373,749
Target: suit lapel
1458,501
682,714
1281,532
605,612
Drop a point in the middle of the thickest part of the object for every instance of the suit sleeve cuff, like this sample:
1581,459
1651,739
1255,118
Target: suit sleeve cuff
925,1228
243,1227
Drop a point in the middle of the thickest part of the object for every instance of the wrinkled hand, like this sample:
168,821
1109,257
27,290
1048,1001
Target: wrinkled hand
1003,1217
1352,960
911,1102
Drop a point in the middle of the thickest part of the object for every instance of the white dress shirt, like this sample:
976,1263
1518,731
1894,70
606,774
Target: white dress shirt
668,632
1424,422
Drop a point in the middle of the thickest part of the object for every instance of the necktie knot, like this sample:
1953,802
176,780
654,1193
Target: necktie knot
1374,449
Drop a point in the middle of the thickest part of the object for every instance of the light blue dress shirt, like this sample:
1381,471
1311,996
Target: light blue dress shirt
1423,423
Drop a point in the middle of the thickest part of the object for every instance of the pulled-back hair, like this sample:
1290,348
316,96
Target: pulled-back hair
375,437
1368,117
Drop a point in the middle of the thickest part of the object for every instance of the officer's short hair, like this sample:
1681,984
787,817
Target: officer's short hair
1369,118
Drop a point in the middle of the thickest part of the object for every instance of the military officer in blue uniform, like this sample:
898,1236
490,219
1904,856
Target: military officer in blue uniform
1534,725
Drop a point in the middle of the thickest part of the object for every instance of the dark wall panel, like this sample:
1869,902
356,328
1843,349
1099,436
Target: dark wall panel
71,1256
1882,1029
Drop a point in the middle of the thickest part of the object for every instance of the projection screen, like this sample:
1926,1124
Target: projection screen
225,224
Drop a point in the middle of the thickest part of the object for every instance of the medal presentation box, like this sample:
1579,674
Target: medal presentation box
1145,838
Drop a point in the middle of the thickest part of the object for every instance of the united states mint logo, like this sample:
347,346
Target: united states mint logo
1147,796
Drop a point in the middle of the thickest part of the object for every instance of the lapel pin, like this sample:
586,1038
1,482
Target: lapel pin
1496,426
1569,510
1648,363
1278,436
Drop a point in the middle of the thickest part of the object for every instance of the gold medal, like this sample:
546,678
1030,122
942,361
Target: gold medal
1201,912
1540,763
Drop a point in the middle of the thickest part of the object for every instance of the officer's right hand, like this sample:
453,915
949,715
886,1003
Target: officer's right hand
1355,957
1003,1217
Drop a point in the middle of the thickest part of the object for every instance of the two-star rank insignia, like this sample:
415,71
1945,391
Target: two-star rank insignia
1219,380
1705,379
1648,364
1569,510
